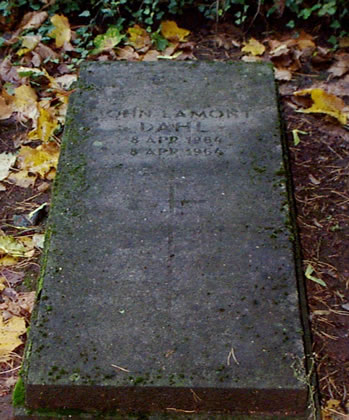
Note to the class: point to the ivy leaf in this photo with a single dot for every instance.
(10, 332)
(254, 47)
(107, 41)
(324, 103)
(172, 32)
(61, 33)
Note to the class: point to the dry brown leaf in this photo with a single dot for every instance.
(250, 59)
(341, 66)
(22, 179)
(45, 52)
(151, 55)
(21, 304)
(6, 161)
(282, 74)
(8, 72)
(33, 20)
(127, 53)
(305, 41)
(279, 50)
(5, 105)
(339, 87)
(187, 51)
(65, 81)
(344, 42)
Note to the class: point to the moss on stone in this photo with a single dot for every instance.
(18, 395)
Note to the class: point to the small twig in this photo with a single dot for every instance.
(232, 355)
(255, 16)
(11, 370)
(120, 368)
(195, 396)
(180, 411)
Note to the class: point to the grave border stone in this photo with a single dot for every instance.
(301, 286)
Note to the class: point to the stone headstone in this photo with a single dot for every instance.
(169, 281)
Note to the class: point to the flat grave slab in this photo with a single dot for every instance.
(169, 281)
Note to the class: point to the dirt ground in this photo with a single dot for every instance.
(320, 174)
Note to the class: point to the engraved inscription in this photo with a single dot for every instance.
(176, 133)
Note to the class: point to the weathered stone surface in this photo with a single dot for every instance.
(169, 280)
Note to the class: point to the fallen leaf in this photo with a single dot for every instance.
(338, 87)
(172, 32)
(12, 277)
(7, 261)
(6, 161)
(28, 71)
(341, 65)
(344, 42)
(187, 51)
(10, 332)
(314, 180)
(296, 139)
(39, 240)
(8, 72)
(39, 160)
(61, 33)
(254, 47)
(127, 53)
(138, 37)
(107, 41)
(5, 105)
(29, 42)
(45, 52)
(308, 274)
(279, 49)
(324, 103)
(328, 411)
(282, 74)
(12, 246)
(66, 80)
(151, 55)
(250, 59)
(46, 126)
(33, 20)
(305, 41)
(25, 102)
(22, 179)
